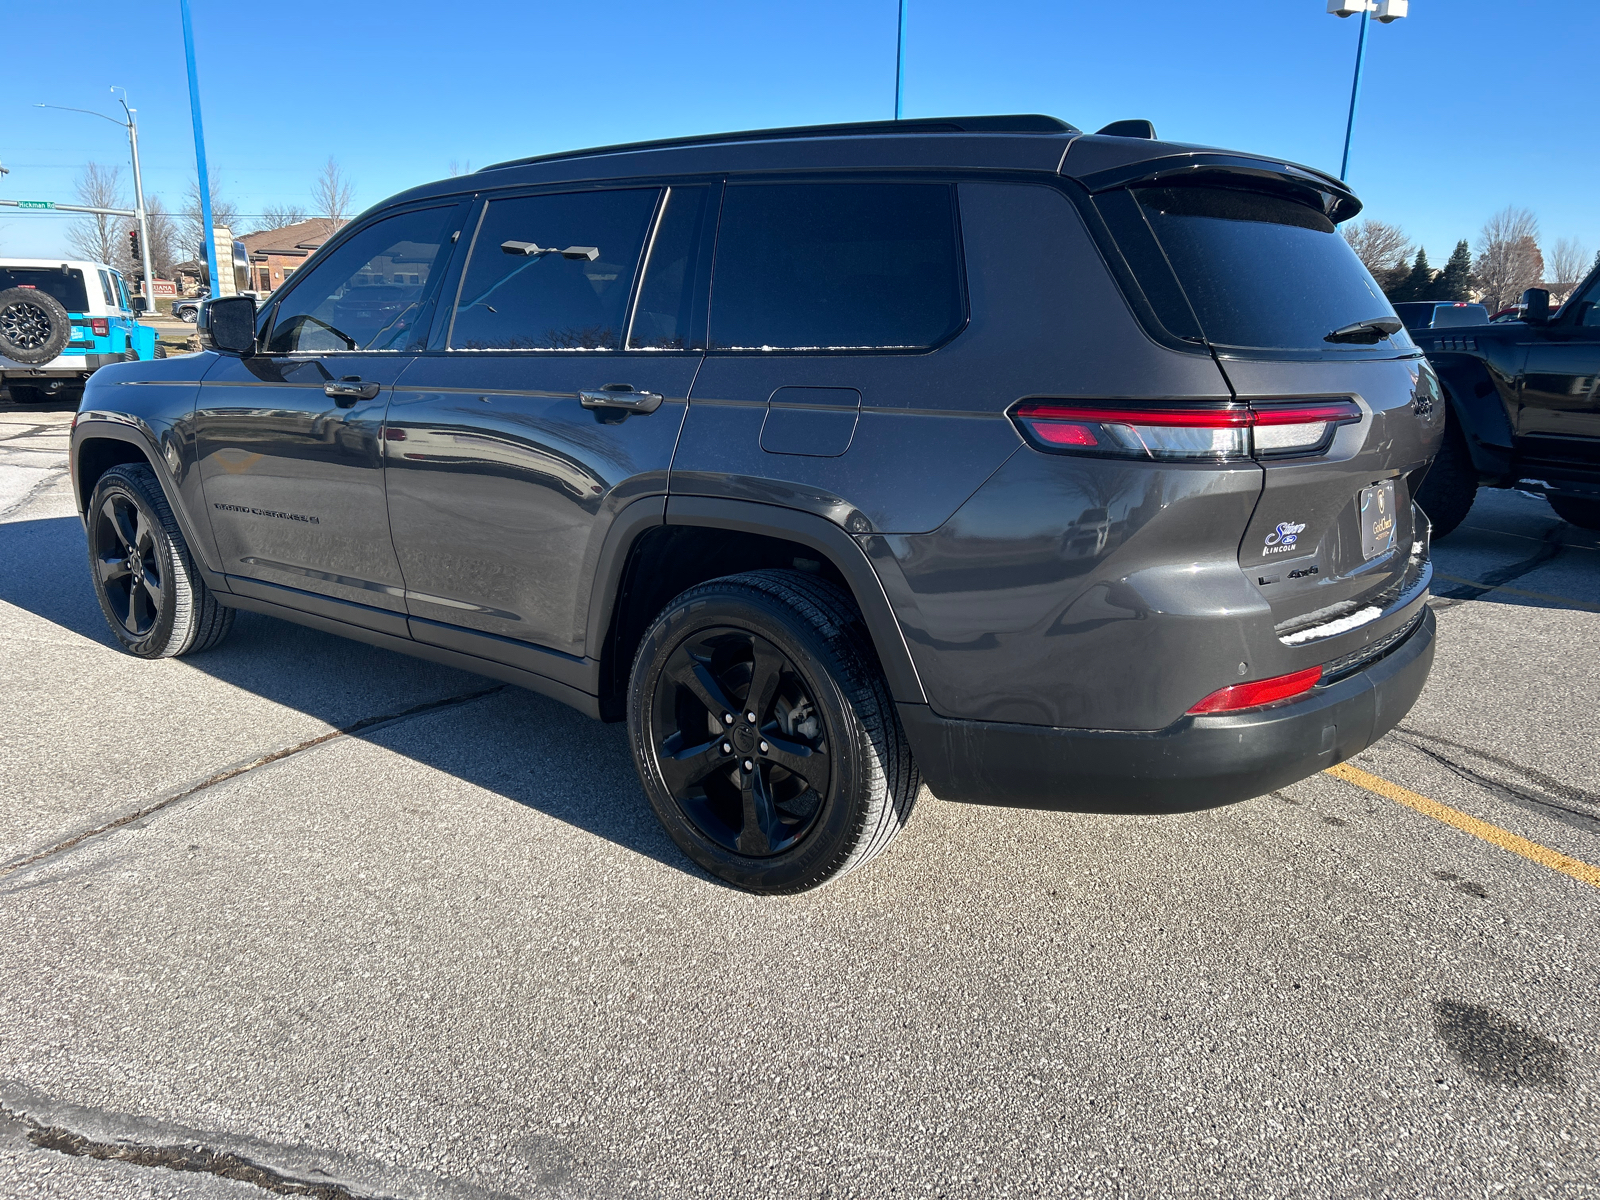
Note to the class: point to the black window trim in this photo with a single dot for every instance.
(952, 179)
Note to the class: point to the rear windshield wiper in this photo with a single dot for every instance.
(1367, 333)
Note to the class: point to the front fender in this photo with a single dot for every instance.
(1482, 399)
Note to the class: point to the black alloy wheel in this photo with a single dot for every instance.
(764, 732)
(740, 742)
(25, 325)
(144, 576)
(129, 564)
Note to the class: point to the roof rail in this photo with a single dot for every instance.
(1018, 123)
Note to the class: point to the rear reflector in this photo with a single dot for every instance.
(1262, 691)
(1209, 433)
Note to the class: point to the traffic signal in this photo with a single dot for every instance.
(133, 245)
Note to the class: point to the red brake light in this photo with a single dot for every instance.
(1184, 431)
(1259, 692)
(101, 326)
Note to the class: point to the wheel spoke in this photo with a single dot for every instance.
(119, 521)
(685, 768)
(144, 532)
(152, 588)
(698, 679)
(111, 566)
(811, 765)
(759, 832)
(134, 589)
(765, 674)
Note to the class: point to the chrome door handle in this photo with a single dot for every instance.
(621, 398)
(350, 389)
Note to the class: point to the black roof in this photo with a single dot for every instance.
(1017, 123)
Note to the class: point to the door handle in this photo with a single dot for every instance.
(350, 389)
(620, 397)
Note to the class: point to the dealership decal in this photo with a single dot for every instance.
(1282, 539)
(267, 512)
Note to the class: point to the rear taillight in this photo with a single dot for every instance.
(1261, 691)
(101, 326)
(1178, 432)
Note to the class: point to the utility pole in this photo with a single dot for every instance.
(900, 62)
(1387, 11)
(138, 187)
(200, 153)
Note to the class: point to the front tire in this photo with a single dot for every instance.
(764, 733)
(1447, 493)
(1575, 510)
(143, 573)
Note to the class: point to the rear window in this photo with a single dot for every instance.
(1460, 314)
(1256, 271)
(836, 266)
(1415, 315)
(66, 286)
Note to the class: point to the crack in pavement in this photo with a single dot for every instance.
(285, 1170)
(233, 772)
(1551, 548)
(1586, 818)
(52, 477)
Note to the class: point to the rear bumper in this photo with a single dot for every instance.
(1198, 762)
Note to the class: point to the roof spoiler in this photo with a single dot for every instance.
(1305, 184)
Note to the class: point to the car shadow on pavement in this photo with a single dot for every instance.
(530, 749)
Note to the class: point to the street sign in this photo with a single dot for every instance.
(36, 203)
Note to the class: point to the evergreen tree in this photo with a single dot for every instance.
(1455, 281)
(1416, 282)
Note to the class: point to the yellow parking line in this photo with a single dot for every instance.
(1567, 600)
(1492, 834)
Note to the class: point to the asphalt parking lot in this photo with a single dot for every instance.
(301, 913)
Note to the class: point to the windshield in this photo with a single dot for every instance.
(1258, 271)
(66, 286)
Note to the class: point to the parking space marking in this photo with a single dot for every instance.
(1493, 834)
(1515, 591)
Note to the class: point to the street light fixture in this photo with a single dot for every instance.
(1387, 11)
(131, 124)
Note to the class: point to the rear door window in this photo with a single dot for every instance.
(108, 289)
(553, 272)
(1258, 271)
(675, 267)
(836, 266)
(66, 286)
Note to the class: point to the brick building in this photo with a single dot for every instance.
(275, 253)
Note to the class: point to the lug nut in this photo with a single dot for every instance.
(748, 765)
(751, 717)
(727, 749)
(764, 747)
(727, 718)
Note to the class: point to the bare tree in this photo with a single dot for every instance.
(1382, 248)
(1508, 261)
(96, 236)
(457, 168)
(164, 245)
(223, 212)
(277, 216)
(330, 194)
(1568, 265)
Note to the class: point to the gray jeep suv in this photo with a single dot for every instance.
(1049, 469)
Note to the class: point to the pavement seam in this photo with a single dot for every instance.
(53, 477)
(1553, 543)
(233, 772)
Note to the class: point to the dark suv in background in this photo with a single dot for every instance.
(1052, 469)
(1524, 400)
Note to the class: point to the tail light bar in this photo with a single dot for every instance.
(1259, 692)
(1178, 432)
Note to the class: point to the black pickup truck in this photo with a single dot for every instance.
(1524, 409)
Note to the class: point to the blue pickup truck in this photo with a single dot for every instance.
(60, 321)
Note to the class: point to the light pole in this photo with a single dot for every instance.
(900, 62)
(200, 152)
(132, 126)
(1387, 11)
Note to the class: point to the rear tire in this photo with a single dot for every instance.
(1575, 510)
(1447, 493)
(790, 649)
(143, 573)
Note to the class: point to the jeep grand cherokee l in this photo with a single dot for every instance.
(1051, 469)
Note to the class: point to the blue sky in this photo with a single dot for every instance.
(1468, 105)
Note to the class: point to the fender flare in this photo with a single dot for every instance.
(1477, 406)
(103, 425)
(770, 520)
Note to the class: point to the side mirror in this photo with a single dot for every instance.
(1536, 306)
(228, 325)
